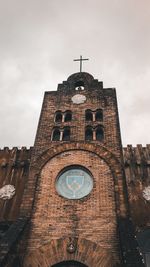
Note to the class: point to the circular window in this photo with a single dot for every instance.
(74, 183)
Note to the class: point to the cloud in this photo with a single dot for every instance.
(40, 39)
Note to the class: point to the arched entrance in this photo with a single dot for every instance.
(55, 254)
(69, 264)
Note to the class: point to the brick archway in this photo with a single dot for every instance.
(87, 253)
(99, 150)
(69, 264)
(112, 161)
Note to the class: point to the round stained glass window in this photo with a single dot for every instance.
(74, 183)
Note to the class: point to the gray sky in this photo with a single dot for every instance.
(39, 40)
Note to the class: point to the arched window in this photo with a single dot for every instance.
(99, 133)
(99, 115)
(66, 134)
(89, 133)
(58, 116)
(88, 115)
(56, 135)
(68, 116)
(79, 85)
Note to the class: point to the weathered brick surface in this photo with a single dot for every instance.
(10, 238)
(137, 169)
(55, 251)
(92, 217)
(14, 170)
(54, 101)
(96, 223)
(96, 97)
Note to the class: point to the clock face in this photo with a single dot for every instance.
(78, 99)
(74, 183)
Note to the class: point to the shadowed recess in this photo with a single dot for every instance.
(69, 264)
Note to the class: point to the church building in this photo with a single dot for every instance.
(77, 198)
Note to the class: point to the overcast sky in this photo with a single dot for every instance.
(39, 40)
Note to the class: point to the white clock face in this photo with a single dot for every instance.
(146, 193)
(78, 99)
(7, 192)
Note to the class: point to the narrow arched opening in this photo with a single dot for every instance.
(68, 116)
(56, 135)
(69, 264)
(79, 85)
(88, 115)
(58, 116)
(99, 115)
(99, 133)
(89, 134)
(66, 134)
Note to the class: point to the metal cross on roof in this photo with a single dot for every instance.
(81, 59)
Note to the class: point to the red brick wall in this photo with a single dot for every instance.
(54, 101)
(92, 217)
(92, 220)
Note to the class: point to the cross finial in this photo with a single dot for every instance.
(81, 59)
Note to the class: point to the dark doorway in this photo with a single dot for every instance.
(143, 239)
(70, 264)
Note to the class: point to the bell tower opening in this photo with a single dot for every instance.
(69, 264)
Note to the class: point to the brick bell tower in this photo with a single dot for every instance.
(76, 193)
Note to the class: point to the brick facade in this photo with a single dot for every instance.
(97, 229)
(94, 218)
